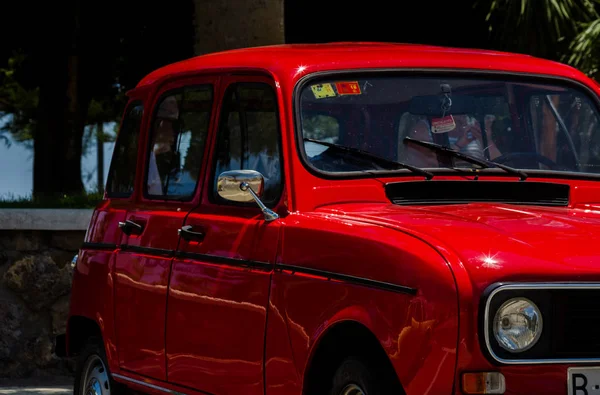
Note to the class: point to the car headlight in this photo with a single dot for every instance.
(517, 324)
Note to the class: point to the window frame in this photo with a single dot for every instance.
(348, 74)
(179, 88)
(230, 82)
(133, 103)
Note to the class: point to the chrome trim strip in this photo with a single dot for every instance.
(517, 286)
(222, 260)
(349, 279)
(147, 250)
(156, 387)
(98, 246)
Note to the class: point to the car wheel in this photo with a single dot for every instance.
(354, 378)
(92, 376)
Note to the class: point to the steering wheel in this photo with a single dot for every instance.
(531, 155)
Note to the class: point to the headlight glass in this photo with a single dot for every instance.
(517, 324)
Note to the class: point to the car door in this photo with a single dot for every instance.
(177, 133)
(220, 280)
(97, 253)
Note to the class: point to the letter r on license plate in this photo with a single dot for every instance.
(583, 381)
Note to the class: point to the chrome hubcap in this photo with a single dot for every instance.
(352, 389)
(95, 377)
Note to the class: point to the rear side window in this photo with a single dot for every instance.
(121, 176)
(177, 140)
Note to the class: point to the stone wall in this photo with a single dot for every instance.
(36, 250)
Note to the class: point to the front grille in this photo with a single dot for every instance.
(571, 322)
(576, 323)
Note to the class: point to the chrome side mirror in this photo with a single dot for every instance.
(244, 186)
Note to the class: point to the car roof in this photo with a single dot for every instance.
(292, 61)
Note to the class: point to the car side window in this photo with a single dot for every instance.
(177, 140)
(121, 176)
(248, 137)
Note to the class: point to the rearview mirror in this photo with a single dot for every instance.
(432, 105)
(244, 186)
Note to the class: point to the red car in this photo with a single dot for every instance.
(349, 218)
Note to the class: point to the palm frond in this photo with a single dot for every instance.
(585, 49)
(543, 28)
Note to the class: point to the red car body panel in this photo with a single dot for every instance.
(227, 302)
(243, 309)
(312, 304)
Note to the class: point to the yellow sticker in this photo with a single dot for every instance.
(322, 90)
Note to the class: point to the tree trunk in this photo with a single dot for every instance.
(59, 132)
(100, 156)
(49, 132)
(62, 109)
(74, 127)
(227, 24)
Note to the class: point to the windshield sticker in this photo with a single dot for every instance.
(442, 125)
(322, 90)
(348, 88)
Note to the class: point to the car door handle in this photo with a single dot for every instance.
(186, 233)
(128, 227)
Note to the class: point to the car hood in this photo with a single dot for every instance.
(500, 242)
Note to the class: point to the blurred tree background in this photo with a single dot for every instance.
(65, 66)
(562, 30)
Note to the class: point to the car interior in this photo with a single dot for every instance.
(533, 126)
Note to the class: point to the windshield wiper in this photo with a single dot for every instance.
(467, 158)
(376, 158)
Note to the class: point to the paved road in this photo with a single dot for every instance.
(37, 386)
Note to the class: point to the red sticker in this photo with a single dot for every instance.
(348, 88)
(443, 125)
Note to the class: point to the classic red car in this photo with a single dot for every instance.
(347, 218)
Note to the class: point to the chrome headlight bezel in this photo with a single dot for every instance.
(535, 311)
(556, 301)
(496, 296)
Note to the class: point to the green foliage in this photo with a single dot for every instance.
(106, 110)
(563, 30)
(17, 103)
(18, 106)
(585, 49)
(320, 127)
(66, 201)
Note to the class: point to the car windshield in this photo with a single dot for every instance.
(527, 125)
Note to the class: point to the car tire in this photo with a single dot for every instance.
(92, 375)
(353, 377)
